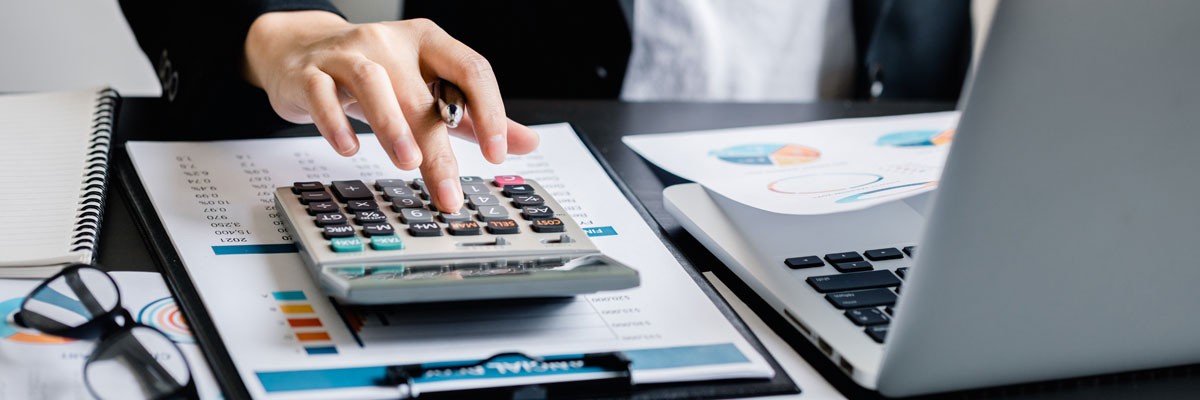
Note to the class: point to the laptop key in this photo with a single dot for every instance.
(890, 310)
(803, 262)
(862, 298)
(903, 272)
(866, 316)
(853, 281)
(889, 253)
(850, 256)
(910, 250)
(856, 266)
(877, 332)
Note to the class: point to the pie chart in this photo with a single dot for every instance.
(10, 331)
(916, 138)
(778, 154)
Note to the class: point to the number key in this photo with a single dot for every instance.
(458, 216)
(415, 215)
(470, 189)
(399, 203)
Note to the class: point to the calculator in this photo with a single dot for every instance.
(385, 242)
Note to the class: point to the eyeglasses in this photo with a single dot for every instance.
(131, 360)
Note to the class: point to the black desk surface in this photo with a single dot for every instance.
(604, 122)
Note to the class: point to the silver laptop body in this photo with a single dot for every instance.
(1063, 238)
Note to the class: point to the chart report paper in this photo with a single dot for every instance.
(289, 341)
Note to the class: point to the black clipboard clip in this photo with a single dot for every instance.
(406, 378)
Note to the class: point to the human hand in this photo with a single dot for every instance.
(318, 68)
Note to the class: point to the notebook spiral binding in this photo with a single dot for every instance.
(95, 176)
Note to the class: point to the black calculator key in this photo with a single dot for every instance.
(866, 316)
(856, 266)
(369, 217)
(803, 262)
(299, 187)
(491, 213)
(516, 190)
(351, 190)
(877, 332)
(458, 216)
(399, 203)
(502, 227)
(853, 280)
(546, 225)
(380, 184)
(889, 253)
(476, 200)
(532, 213)
(415, 215)
(392, 192)
(362, 205)
(309, 197)
(463, 228)
(850, 256)
(862, 298)
(378, 229)
(526, 200)
(333, 231)
(421, 229)
(910, 250)
(331, 218)
(317, 207)
(470, 189)
(470, 179)
(903, 272)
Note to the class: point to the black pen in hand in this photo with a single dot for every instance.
(449, 102)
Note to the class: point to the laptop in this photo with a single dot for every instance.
(1061, 241)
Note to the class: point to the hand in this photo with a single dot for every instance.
(318, 68)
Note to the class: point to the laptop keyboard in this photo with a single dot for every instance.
(864, 293)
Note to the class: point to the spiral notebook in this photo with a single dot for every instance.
(53, 174)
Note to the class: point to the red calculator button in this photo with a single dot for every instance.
(502, 180)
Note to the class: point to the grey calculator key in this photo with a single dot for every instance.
(491, 213)
(392, 192)
(470, 179)
(385, 183)
(536, 212)
(399, 203)
(361, 205)
(458, 216)
(476, 200)
(331, 218)
(470, 189)
(415, 215)
(369, 217)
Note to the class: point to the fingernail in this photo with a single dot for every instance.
(499, 148)
(345, 144)
(406, 153)
(449, 193)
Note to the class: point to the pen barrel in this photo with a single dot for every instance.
(450, 102)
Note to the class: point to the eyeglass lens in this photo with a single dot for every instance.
(136, 363)
(70, 300)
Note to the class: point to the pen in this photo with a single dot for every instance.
(449, 102)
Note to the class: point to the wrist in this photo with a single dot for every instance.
(274, 35)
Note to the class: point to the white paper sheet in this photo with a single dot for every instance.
(288, 341)
(810, 168)
(38, 366)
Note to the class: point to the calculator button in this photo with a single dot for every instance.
(399, 203)
(458, 216)
(889, 253)
(346, 244)
(421, 229)
(335, 231)
(464, 228)
(299, 187)
(476, 200)
(502, 227)
(516, 190)
(470, 189)
(501, 180)
(331, 218)
(351, 190)
(524, 200)
(380, 184)
(548, 225)
(309, 197)
(321, 207)
(491, 213)
(369, 217)
(387, 242)
(378, 229)
(470, 179)
(415, 215)
(532, 213)
(361, 205)
(392, 192)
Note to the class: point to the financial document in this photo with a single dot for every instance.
(290, 341)
(810, 168)
(34, 365)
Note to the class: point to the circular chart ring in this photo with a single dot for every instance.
(165, 315)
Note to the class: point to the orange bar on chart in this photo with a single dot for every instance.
(303, 322)
(312, 336)
(296, 309)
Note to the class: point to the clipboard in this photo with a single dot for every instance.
(154, 233)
